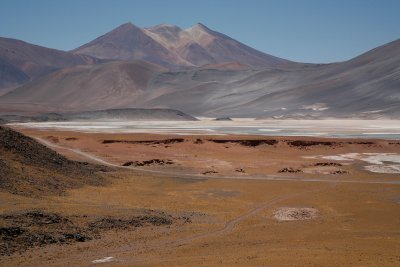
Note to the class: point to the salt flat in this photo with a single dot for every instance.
(384, 129)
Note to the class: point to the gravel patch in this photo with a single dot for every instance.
(295, 214)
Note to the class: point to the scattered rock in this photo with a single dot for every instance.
(198, 141)
(76, 237)
(185, 219)
(110, 223)
(20, 231)
(361, 143)
(34, 217)
(339, 172)
(147, 142)
(148, 162)
(240, 170)
(249, 143)
(291, 170)
(9, 233)
(328, 164)
(114, 223)
(209, 172)
(304, 143)
(53, 139)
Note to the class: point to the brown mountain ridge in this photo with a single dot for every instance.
(169, 45)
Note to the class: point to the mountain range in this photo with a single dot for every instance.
(198, 71)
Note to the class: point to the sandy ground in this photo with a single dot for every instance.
(356, 220)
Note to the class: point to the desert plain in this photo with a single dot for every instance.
(227, 200)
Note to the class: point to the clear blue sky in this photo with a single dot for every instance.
(300, 30)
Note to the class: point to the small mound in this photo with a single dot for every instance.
(295, 214)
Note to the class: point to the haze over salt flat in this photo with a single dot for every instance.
(387, 129)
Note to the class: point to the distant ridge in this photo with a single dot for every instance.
(124, 114)
(21, 62)
(134, 114)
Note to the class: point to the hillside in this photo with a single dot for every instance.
(11, 77)
(31, 169)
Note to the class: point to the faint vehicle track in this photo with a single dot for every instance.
(231, 224)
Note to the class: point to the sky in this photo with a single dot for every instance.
(315, 31)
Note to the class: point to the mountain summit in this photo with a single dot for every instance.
(128, 42)
(170, 45)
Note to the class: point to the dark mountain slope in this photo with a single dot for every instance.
(29, 168)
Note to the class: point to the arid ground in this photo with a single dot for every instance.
(219, 200)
